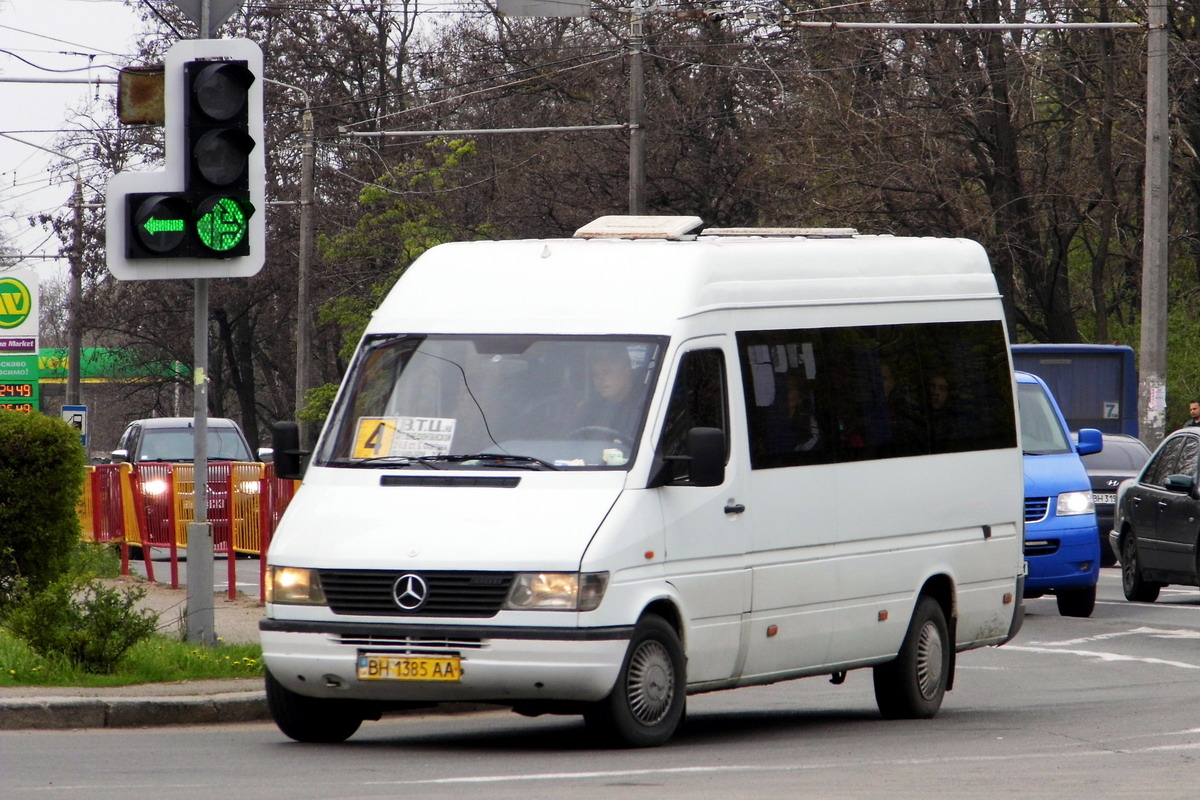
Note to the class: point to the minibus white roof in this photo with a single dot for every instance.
(639, 285)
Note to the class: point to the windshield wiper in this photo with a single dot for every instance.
(374, 461)
(493, 459)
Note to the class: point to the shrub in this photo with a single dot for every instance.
(41, 477)
(83, 621)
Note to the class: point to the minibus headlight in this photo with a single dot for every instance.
(557, 591)
(294, 586)
(155, 487)
(1072, 503)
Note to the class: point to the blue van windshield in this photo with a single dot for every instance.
(1041, 432)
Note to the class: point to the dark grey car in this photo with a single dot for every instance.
(1157, 527)
(1122, 458)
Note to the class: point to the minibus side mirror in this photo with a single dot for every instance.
(119, 455)
(705, 461)
(285, 443)
(706, 446)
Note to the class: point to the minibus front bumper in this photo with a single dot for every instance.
(498, 664)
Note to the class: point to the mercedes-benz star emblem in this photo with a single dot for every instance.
(410, 592)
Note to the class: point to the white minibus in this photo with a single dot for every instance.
(598, 474)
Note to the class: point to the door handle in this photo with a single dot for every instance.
(734, 508)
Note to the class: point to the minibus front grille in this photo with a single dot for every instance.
(1036, 508)
(411, 645)
(445, 594)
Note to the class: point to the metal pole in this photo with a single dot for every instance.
(637, 107)
(200, 613)
(1152, 367)
(303, 290)
(75, 296)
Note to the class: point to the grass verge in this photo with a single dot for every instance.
(159, 659)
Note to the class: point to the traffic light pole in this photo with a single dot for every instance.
(200, 589)
(201, 618)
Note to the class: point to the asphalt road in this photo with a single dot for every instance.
(1099, 707)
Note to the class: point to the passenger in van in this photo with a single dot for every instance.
(804, 431)
(905, 435)
(943, 419)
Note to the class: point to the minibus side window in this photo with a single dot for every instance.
(831, 395)
(698, 399)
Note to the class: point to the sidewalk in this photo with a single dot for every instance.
(151, 704)
(186, 703)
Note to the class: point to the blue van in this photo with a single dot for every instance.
(1061, 548)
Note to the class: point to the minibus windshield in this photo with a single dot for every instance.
(493, 402)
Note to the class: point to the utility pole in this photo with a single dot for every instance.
(75, 297)
(1152, 357)
(304, 276)
(637, 108)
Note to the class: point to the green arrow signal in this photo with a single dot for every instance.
(224, 226)
(156, 225)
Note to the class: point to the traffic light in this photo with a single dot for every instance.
(202, 216)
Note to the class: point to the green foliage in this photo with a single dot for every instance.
(317, 403)
(42, 468)
(81, 621)
(393, 231)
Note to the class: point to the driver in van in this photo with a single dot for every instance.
(611, 405)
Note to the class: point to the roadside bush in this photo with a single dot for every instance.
(41, 479)
(89, 624)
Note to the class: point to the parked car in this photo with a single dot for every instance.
(1122, 458)
(1155, 532)
(171, 440)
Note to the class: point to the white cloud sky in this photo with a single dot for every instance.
(52, 35)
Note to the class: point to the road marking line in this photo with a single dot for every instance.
(734, 768)
(1102, 656)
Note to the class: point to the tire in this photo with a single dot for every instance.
(311, 719)
(1136, 589)
(913, 684)
(647, 702)
(1076, 602)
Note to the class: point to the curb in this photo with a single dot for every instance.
(61, 713)
(74, 713)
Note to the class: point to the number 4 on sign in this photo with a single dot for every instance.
(374, 437)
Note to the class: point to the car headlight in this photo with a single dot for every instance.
(295, 586)
(155, 486)
(249, 487)
(557, 591)
(1073, 503)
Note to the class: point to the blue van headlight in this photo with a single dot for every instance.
(557, 591)
(1073, 503)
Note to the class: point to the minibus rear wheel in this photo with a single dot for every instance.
(311, 719)
(647, 703)
(913, 684)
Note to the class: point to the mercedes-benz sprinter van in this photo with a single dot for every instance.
(597, 474)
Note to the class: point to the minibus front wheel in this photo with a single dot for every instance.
(912, 685)
(311, 719)
(647, 702)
